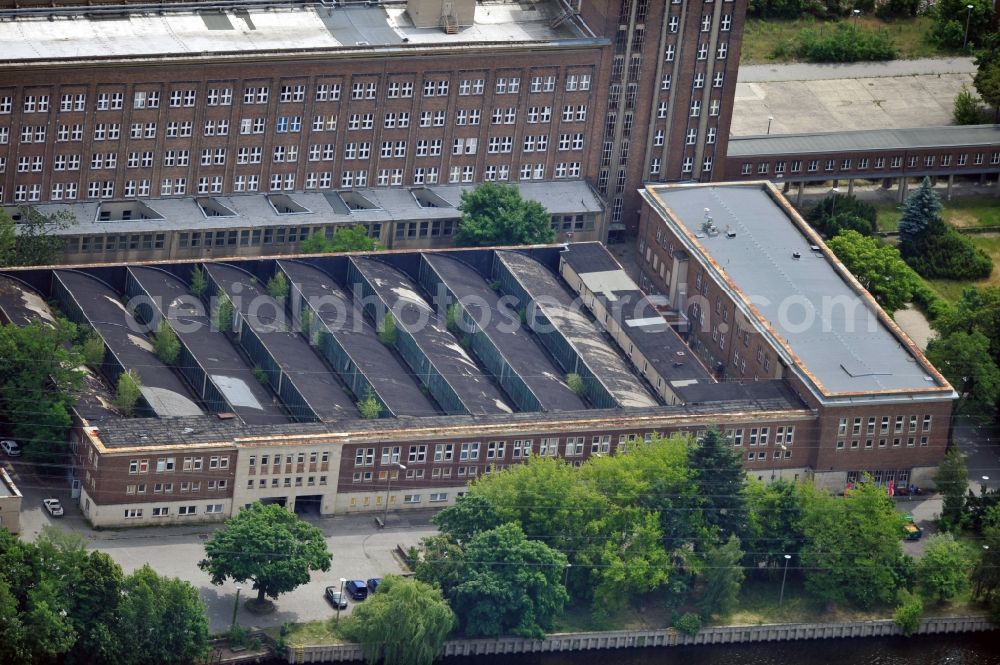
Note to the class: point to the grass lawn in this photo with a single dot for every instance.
(312, 632)
(960, 212)
(765, 39)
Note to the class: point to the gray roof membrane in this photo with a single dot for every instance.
(415, 315)
(557, 303)
(390, 378)
(502, 324)
(163, 390)
(866, 139)
(320, 388)
(829, 327)
(642, 322)
(217, 356)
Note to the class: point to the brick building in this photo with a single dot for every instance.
(117, 104)
(761, 297)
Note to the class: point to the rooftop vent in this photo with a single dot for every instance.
(213, 208)
(225, 416)
(286, 205)
(796, 255)
(708, 226)
(730, 233)
(124, 211)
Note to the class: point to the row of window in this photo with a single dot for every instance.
(882, 443)
(182, 486)
(883, 424)
(164, 511)
(300, 481)
(178, 186)
(435, 497)
(114, 100)
(863, 163)
(169, 464)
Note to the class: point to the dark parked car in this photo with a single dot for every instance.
(373, 584)
(357, 589)
(336, 598)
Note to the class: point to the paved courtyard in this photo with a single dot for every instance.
(806, 98)
(360, 551)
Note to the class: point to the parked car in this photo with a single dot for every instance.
(53, 507)
(373, 584)
(357, 589)
(910, 530)
(10, 447)
(336, 598)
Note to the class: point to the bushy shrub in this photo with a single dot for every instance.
(966, 110)
(908, 612)
(387, 331)
(576, 384)
(166, 344)
(93, 349)
(842, 212)
(688, 623)
(845, 43)
(950, 255)
(929, 302)
(897, 8)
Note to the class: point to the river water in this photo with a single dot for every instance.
(966, 649)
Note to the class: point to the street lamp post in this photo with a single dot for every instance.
(968, 20)
(388, 488)
(781, 597)
(566, 573)
(982, 486)
(236, 606)
(770, 119)
(343, 581)
(857, 14)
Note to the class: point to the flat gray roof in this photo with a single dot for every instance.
(75, 34)
(162, 389)
(413, 314)
(837, 337)
(225, 368)
(557, 303)
(501, 323)
(392, 380)
(319, 387)
(254, 210)
(868, 139)
(641, 322)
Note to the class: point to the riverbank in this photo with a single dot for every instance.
(669, 637)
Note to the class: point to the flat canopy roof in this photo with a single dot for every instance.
(868, 139)
(833, 331)
(80, 33)
(387, 204)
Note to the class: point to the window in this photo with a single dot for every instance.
(213, 508)
(133, 513)
(187, 510)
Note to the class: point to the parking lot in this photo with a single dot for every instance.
(360, 551)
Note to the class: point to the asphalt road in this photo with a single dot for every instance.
(360, 551)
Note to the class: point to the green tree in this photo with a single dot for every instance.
(369, 406)
(12, 638)
(92, 349)
(39, 375)
(944, 568)
(952, 481)
(840, 212)
(774, 512)
(469, 515)
(851, 552)
(128, 392)
(166, 344)
(721, 483)
(160, 620)
(278, 287)
(878, 267)
(198, 282)
(511, 585)
(495, 214)
(268, 545)
(987, 78)
(723, 577)
(442, 563)
(964, 359)
(32, 240)
(345, 239)
(224, 312)
(921, 217)
(908, 612)
(977, 310)
(966, 108)
(405, 623)
(951, 16)
(986, 574)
